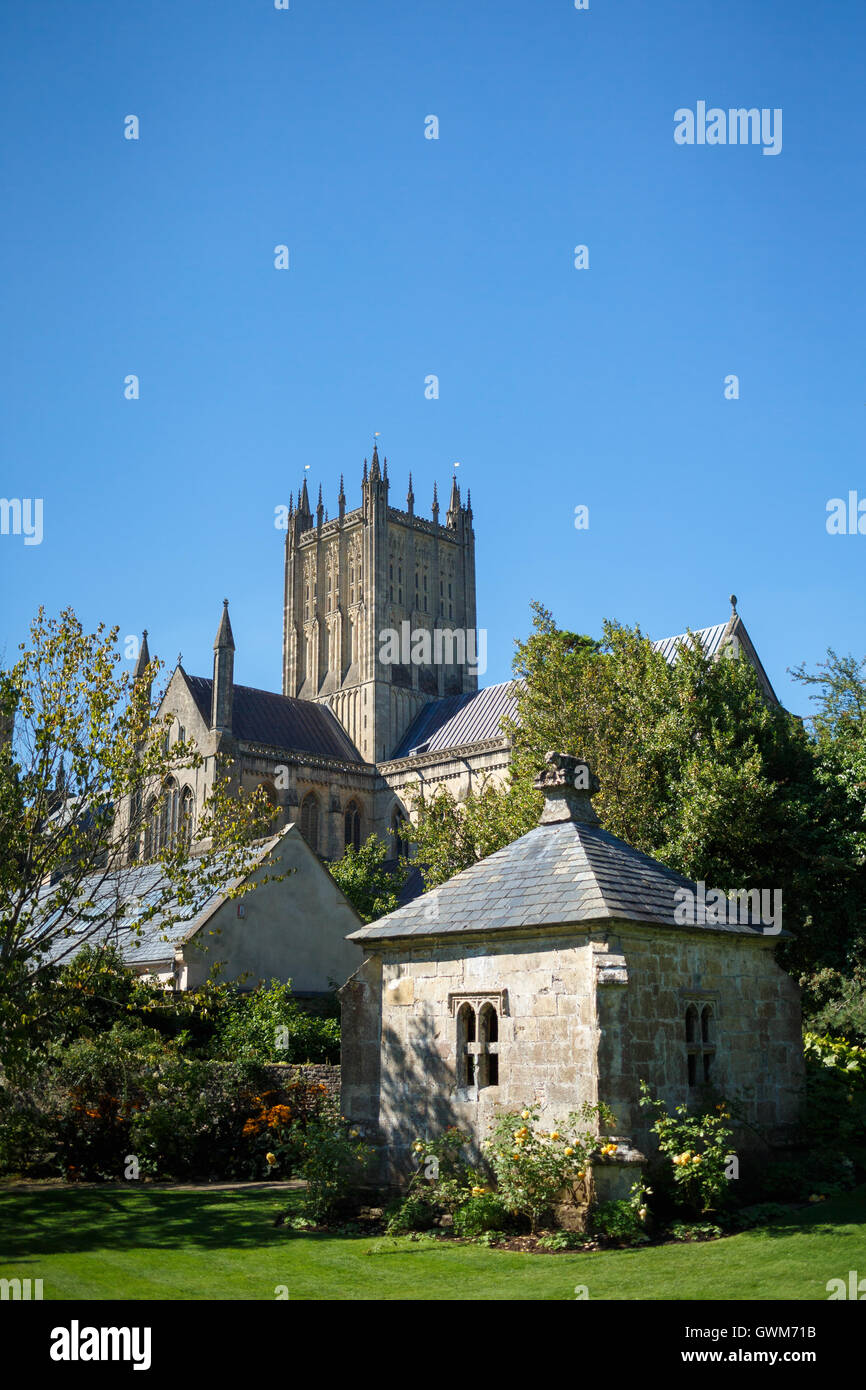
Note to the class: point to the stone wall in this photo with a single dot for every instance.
(584, 1015)
(282, 1074)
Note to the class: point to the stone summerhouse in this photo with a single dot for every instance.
(556, 969)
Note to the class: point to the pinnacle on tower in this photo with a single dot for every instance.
(364, 479)
(342, 496)
(435, 504)
(143, 658)
(304, 501)
(410, 498)
(375, 473)
(224, 637)
(320, 509)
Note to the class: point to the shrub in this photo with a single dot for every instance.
(485, 1212)
(619, 1223)
(332, 1159)
(691, 1231)
(414, 1212)
(533, 1166)
(268, 1024)
(193, 1124)
(699, 1146)
(440, 1184)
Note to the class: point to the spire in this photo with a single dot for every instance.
(304, 501)
(375, 474)
(291, 505)
(385, 471)
(410, 498)
(469, 503)
(364, 479)
(453, 515)
(342, 499)
(320, 510)
(224, 636)
(143, 658)
(223, 675)
(435, 505)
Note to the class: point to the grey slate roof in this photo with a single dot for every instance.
(568, 872)
(115, 894)
(463, 719)
(261, 716)
(711, 638)
(458, 720)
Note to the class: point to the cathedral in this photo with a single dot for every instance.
(364, 719)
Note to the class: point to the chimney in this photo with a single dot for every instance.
(567, 784)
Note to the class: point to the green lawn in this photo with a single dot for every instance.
(164, 1244)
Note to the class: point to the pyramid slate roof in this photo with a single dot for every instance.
(557, 874)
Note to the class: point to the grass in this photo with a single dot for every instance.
(103, 1243)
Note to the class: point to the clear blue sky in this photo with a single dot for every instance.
(455, 257)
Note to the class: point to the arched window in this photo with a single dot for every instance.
(488, 1051)
(353, 825)
(401, 844)
(310, 820)
(186, 819)
(149, 826)
(700, 1043)
(466, 1045)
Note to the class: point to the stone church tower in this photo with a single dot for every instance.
(370, 572)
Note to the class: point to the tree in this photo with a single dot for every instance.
(83, 756)
(370, 882)
(696, 767)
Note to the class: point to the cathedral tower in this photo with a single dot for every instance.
(365, 596)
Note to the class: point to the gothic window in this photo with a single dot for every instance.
(186, 818)
(488, 1053)
(353, 825)
(700, 1043)
(477, 1045)
(149, 823)
(465, 1045)
(401, 844)
(310, 820)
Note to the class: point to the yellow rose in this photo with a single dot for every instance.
(554, 1134)
(582, 1173)
(524, 1114)
(569, 1152)
(270, 1159)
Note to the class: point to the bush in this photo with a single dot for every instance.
(619, 1223)
(486, 1212)
(534, 1166)
(332, 1159)
(268, 1024)
(699, 1146)
(691, 1231)
(414, 1212)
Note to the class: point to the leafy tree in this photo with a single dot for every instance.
(369, 880)
(696, 767)
(82, 752)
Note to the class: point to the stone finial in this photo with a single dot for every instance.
(733, 605)
(567, 783)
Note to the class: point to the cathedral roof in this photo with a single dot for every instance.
(458, 720)
(568, 870)
(261, 716)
